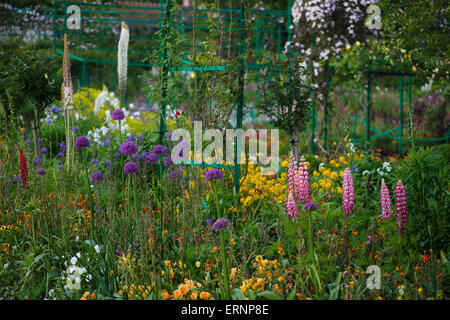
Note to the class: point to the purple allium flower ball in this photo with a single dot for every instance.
(117, 115)
(37, 161)
(44, 150)
(128, 148)
(165, 150)
(41, 171)
(167, 161)
(158, 149)
(140, 138)
(213, 174)
(97, 177)
(220, 224)
(310, 206)
(130, 167)
(82, 142)
(151, 158)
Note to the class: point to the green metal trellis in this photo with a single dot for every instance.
(269, 33)
(370, 73)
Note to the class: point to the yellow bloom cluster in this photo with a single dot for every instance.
(329, 179)
(138, 292)
(88, 296)
(188, 290)
(256, 186)
(269, 277)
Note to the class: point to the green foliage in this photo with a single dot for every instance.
(286, 97)
(29, 80)
(426, 177)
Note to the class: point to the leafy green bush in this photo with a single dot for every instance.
(425, 174)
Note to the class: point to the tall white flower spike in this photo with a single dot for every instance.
(122, 59)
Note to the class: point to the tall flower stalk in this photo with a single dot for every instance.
(291, 207)
(348, 193)
(23, 168)
(292, 171)
(302, 182)
(67, 100)
(122, 60)
(386, 206)
(400, 204)
(220, 225)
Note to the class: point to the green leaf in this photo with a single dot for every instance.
(237, 294)
(269, 295)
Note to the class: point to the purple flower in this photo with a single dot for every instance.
(75, 129)
(97, 177)
(94, 162)
(60, 167)
(220, 224)
(44, 150)
(131, 138)
(128, 148)
(55, 109)
(60, 154)
(48, 122)
(213, 174)
(37, 161)
(158, 149)
(130, 167)
(167, 161)
(175, 176)
(117, 115)
(208, 222)
(151, 158)
(310, 206)
(41, 171)
(82, 142)
(107, 141)
(17, 178)
(27, 141)
(140, 138)
(108, 164)
(116, 155)
(62, 147)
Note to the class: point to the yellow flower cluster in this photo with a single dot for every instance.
(88, 296)
(188, 290)
(256, 186)
(269, 277)
(330, 180)
(137, 292)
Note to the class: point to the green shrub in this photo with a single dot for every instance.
(425, 174)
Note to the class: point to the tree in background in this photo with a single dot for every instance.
(286, 97)
(30, 80)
